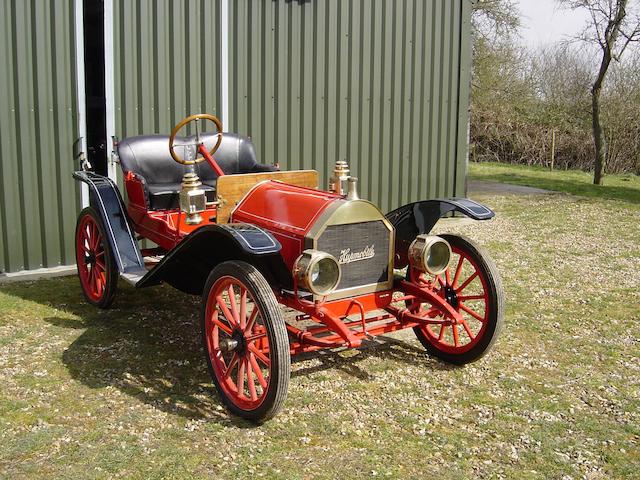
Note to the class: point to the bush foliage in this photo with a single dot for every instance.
(522, 99)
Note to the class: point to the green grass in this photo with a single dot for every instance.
(616, 187)
(125, 393)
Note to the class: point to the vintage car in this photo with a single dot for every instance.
(282, 266)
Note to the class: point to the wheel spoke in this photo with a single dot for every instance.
(456, 340)
(447, 276)
(232, 363)
(456, 277)
(467, 282)
(243, 309)
(468, 330)
(216, 321)
(240, 382)
(250, 381)
(475, 315)
(440, 281)
(225, 310)
(257, 370)
(252, 320)
(234, 306)
(465, 298)
(257, 336)
(259, 355)
(441, 334)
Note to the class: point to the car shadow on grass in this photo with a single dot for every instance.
(148, 346)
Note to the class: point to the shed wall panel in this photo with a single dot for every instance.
(380, 83)
(39, 200)
(167, 54)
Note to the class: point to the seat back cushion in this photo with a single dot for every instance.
(148, 156)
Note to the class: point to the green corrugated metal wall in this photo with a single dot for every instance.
(38, 197)
(166, 56)
(381, 83)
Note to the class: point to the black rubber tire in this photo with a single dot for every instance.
(279, 350)
(111, 268)
(495, 304)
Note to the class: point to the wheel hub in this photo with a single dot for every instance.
(90, 258)
(235, 343)
(451, 296)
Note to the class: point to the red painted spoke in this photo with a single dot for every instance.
(243, 309)
(100, 265)
(456, 340)
(225, 310)
(257, 336)
(252, 320)
(257, 370)
(447, 275)
(100, 254)
(232, 363)
(456, 277)
(95, 236)
(468, 330)
(234, 306)
(221, 326)
(441, 334)
(250, 381)
(440, 281)
(259, 355)
(240, 382)
(465, 298)
(467, 282)
(475, 315)
(92, 280)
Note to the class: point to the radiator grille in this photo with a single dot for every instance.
(362, 250)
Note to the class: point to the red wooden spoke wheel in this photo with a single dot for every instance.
(246, 342)
(97, 269)
(472, 286)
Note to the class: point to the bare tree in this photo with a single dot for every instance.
(494, 19)
(612, 27)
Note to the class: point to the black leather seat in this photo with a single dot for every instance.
(148, 157)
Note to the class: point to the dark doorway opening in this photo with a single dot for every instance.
(97, 145)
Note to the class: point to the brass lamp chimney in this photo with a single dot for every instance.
(340, 175)
(192, 198)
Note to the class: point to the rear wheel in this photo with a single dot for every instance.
(97, 267)
(472, 285)
(245, 341)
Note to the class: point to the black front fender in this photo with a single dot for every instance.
(188, 265)
(417, 218)
(106, 199)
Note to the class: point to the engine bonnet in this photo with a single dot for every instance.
(300, 218)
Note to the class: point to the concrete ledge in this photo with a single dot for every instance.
(38, 274)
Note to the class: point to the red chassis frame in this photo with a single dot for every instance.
(167, 228)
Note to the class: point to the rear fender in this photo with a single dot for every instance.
(106, 199)
(188, 265)
(417, 218)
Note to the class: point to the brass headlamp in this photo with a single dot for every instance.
(430, 254)
(317, 272)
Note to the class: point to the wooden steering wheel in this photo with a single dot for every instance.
(201, 149)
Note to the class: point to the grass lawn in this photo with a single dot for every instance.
(125, 393)
(616, 187)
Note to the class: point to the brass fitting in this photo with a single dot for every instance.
(340, 174)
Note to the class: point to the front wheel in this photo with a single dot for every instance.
(472, 285)
(245, 341)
